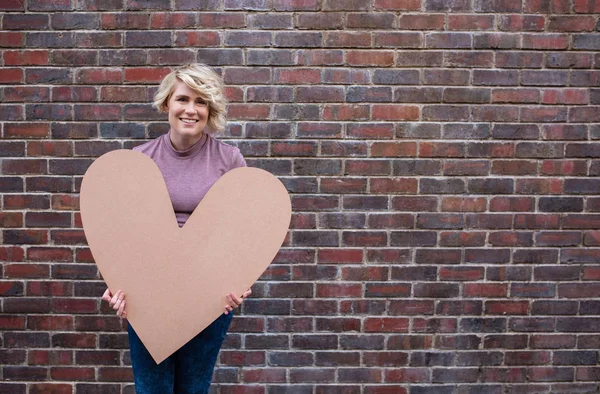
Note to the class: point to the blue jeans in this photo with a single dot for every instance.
(187, 371)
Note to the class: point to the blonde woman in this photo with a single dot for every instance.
(191, 161)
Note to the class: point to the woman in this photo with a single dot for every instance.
(191, 161)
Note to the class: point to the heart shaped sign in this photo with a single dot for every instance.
(175, 279)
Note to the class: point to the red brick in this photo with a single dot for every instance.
(370, 20)
(514, 167)
(367, 167)
(545, 41)
(340, 256)
(422, 22)
(346, 112)
(508, 238)
(515, 96)
(339, 290)
(387, 290)
(343, 185)
(52, 357)
(11, 39)
(49, 254)
(462, 238)
(492, 290)
(398, 40)
(403, 375)
(461, 273)
(99, 75)
(13, 5)
(345, 76)
(347, 40)
(364, 238)
(365, 58)
(318, 57)
(72, 373)
(317, 94)
(394, 149)
(99, 40)
(11, 253)
(470, 22)
(394, 185)
(12, 76)
(197, 39)
(539, 186)
(586, 6)
(565, 96)
(564, 167)
(298, 76)
(551, 374)
(26, 58)
(374, 131)
(51, 388)
(26, 130)
(572, 23)
(394, 112)
(11, 219)
(362, 273)
(145, 75)
(392, 5)
(386, 324)
(123, 93)
(124, 21)
(507, 307)
(176, 20)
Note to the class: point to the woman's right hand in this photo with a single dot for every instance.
(116, 301)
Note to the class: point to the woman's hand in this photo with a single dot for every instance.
(116, 301)
(234, 302)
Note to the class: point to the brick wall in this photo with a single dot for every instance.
(442, 159)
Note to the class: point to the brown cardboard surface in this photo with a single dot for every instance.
(175, 279)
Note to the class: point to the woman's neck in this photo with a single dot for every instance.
(182, 144)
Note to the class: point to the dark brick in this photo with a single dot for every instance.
(491, 186)
(448, 6)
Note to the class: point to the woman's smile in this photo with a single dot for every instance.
(188, 116)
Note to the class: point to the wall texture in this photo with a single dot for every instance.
(442, 157)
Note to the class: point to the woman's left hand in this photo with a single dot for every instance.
(233, 301)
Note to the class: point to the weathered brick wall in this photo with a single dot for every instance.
(441, 155)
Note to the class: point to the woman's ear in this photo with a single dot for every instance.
(165, 103)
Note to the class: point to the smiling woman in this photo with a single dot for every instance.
(193, 96)
(188, 115)
(191, 161)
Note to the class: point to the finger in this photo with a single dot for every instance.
(237, 301)
(106, 296)
(120, 300)
(246, 293)
(124, 315)
(234, 301)
(114, 299)
(227, 309)
(121, 309)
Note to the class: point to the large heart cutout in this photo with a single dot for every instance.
(175, 279)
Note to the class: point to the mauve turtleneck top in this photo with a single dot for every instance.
(189, 174)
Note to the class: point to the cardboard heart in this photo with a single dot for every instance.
(175, 279)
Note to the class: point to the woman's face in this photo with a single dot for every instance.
(188, 112)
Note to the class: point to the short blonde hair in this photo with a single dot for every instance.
(205, 82)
